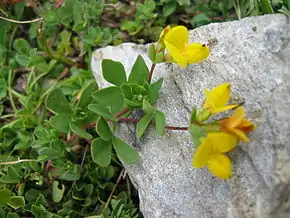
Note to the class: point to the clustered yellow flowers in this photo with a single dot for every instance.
(213, 147)
(213, 140)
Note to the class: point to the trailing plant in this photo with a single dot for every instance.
(60, 155)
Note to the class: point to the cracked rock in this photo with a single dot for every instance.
(253, 54)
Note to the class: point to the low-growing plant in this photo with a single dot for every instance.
(60, 156)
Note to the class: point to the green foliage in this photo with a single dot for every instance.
(50, 102)
(197, 134)
(114, 72)
(101, 151)
(125, 152)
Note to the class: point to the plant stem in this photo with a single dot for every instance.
(121, 112)
(47, 49)
(21, 22)
(112, 192)
(131, 120)
(151, 73)
(10, 91)
(17, 161)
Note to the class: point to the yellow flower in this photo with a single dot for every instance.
(211, 151)
(176, 42)
(238, 125)
(217, 98)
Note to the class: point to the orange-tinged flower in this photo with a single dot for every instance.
(211, 153)
(216, 100)
(176, 42)
(238, 125)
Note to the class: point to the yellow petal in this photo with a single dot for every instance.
(196, 52)
(224, 108)
(177, 37)
(176, 54)
(175, 41)
(218, 96)
(202, 154)
(220, 166)
(222, 142)
(236, 118)
(241, 135)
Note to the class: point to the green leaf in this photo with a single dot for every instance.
(12, 215)
(169, 8)
(38, 211)
(18, 9)
(102, 111)
(21, 46)
(57, 193)
(147, 107)
(3, 88)
(55, 150)
(72, 174)
(160, 122)
(125, 152)
(151, 52)
(183, 2)
(154, 90)
(2, 212)
(193, 115)
(1, 109)
(197, 134)
(111, 97)
(12, 176)
(57, 103)
(139, 73)
(77, 129)
(284, 10)
(159, 57)
(60, 122)
(200, 19)
(22, 60)
(103, 129)
(89, 189)
(101, 152)
(86, 94)
(266, 7)
(16, 202)
(143, 124)
(41, 133)
(5, 196)
(114, 72)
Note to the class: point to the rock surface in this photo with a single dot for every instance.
(252, 54)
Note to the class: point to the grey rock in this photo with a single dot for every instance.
(253, 54)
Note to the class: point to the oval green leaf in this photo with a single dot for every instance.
(113, 72)
(125, 152)
(101, 151)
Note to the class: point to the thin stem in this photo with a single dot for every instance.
(112, 192)
(12, 37)
(47, 49)
(17, 161)
(121, 112)
(3, 12)
(151, 73)
(132, 120)
(21, 22)
(10, 91)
